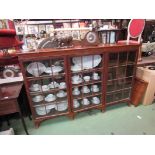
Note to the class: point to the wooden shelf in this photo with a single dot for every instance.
(86, 83)
(88, 71)
(87, 107)
(87, 95)
(45, 77)
(47, 92)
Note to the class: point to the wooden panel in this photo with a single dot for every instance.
(8, 107)
(139, 89)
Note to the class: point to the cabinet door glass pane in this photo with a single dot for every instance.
(130, 70)
(126, 93)
(123, 58)
(128, 82)
(113, 58)
(132, 57)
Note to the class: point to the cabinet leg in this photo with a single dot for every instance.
(37, 124)
(23, 122)
(129, 103)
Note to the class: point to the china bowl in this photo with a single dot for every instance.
(50, 98)
(38, 98)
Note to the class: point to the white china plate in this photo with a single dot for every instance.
(53, 69)
(88, 62)
(36, 68)
(76, 68)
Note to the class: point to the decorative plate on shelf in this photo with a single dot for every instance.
(87, 62)
(36, 68)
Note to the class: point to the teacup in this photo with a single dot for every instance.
(50, 98)
(62, 85)
(53, 85)
(76, 91)
(76, 103)
(76, 78)
(95, 76)
(85, 101)
(61, 93)
(37, 98)
(35, 87)
(85, 89)
(94, 88)
(86, 78)
(95, 100)
(45, 87)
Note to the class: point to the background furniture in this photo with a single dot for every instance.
(9, 104)
(116, 70)
(147, 74)
(135, 30)
(139, 89)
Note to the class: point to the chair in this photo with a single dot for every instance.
(135, 29)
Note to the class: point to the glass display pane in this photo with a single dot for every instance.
(118, 96)
(113, 58)
(115, 85)
(131, 57)
(109, 98)
(130, 70)
(112, 73)
(128, 82)
(123, 58)
(121, 71)
(126, 93)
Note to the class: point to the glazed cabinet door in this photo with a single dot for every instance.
(121, 70)
(47, 86)
(86, 87)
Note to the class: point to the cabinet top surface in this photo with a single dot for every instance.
(75, 50)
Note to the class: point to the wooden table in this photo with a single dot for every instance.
(9, 94)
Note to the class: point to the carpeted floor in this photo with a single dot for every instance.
(117, 120)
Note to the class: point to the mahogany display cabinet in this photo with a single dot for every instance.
(68, 81)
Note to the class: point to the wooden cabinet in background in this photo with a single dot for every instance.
(67, 81)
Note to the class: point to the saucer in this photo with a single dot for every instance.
(76, 92)
(85, 103)
(77, 82)
(95, 90)
(96, 102)
(86, 91)
(60, 95)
